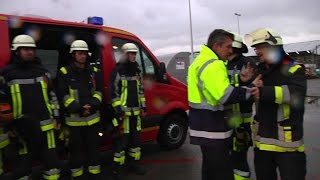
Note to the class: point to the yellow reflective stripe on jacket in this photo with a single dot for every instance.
(278, 94)
(119, 157)
(76, 172)
(135, 153)
(4, 140)
(95, 69)
(83, 121)
(51, 139)
(98, 95)
(294, 68)
(94, 169)
(45, 96)
(68, 100)
(116, 102)
(51, 174)
(282, 94)
(46, 125)
(16, 100)
(124, 92)
(64, 70)
(270, 144)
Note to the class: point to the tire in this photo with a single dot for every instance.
(173, 132)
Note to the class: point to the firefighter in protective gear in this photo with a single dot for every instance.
(34, 113)
(5, 109)
(128, 101)
(240, 112)
(79, 89)
(278, 123)
(209, 90)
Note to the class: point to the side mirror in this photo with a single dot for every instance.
(162, 71)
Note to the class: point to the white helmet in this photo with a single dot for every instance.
(263, 35)
(129, 47)
(238, 43)
(79, 45)
(23, 41)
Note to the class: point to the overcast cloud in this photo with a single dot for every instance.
(164, 24)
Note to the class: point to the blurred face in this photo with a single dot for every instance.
(26, 53)
(81, 56)
(262, 52)
(223, 50)
(132, 56)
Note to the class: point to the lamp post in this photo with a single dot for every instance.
(238, 15)
(191, 33)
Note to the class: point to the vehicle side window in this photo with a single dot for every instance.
(149, 68)
(53, 43)
(117, 43)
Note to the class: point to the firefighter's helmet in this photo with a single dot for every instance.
(79, 45)
(238, 43)
(263, 35)
(23, 41)
(129, 47)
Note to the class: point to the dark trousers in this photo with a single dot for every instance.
(127, 141)
(84, 147)
(291, 165)
(32, 144)
(240, 164)
(216, 163)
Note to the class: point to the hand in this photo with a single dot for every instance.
(246, 73)
(258, 82)
(143, 113)
(56, 125)
(12, 133)
(86, 111)
(255, 92)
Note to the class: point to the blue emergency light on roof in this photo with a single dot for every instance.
(95, 20)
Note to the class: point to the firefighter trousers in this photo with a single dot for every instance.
(291, 165)
(84, 150)
(216, 163)
(127, 145)
(31, 144)
(240, 164)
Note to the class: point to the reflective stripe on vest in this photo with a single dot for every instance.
(76, 172)
(46, 124)
(119, 157)
(52, 174)
(282, 94)
(94, 169)
(211, 135)
(135, 153)
(283, 112)
(243, 174)
(45, 96)
(83, 121)
(4, 140)
(97, 95)
(26, 81)
(16, 100)
(51, 139)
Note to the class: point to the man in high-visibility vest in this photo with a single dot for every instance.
(209, 89)
(35, 109)
(241, 112)
(278, 124)
(79, 89)
(128, 101)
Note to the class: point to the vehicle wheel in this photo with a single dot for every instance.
(173, 132)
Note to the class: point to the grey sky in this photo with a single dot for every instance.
(164, 24)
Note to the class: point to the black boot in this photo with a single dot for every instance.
(119, 172)
(136, 168)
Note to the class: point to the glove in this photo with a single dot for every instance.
(235, 120)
